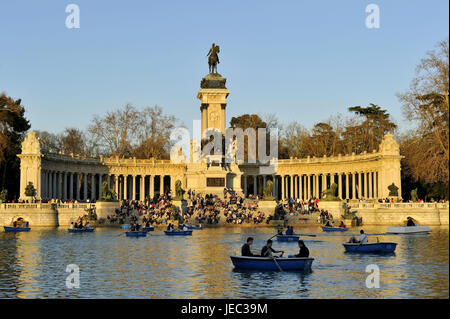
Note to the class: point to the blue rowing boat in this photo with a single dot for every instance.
(267, 263)
(178, 233)
(136, 233)
(370, 248)
(81, 230)
(125, 226)
(328, 229)
(151, 228)
(15, 229)
(288, 237)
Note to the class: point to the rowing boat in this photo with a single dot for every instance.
(268, 263)
(81, 230)
(136, 233)
(328, 229)
(408, 229)
(288, 237)
(16, 229)
(370, 248)
(178, 233)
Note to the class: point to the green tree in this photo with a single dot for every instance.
(13, 126)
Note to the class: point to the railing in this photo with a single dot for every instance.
(399, 205)
(45, 206)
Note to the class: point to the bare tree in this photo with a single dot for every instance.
(426, 103)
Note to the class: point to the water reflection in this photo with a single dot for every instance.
(32, 265)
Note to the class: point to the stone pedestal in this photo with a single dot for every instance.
(267, 207)
(103, 209)
(333, 207)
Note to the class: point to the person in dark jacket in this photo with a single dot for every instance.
(245, 250)
(304, 251)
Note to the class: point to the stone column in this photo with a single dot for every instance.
(255, 187)
(134, 186)
(324, 182)
(100, 184)
(125, 186)
(359, 185)
(53, 184)
(161, 184)
(370, 185)
(92, 187)
(264, 182)
(142, 192)
(366, 183)
(346, 187)
(282, 187)
(85, 186)
(353, 186)
(151, 184)
(300, 187)
(77, 186)
(71, 186)
(65, 186)
(116, 185)
(317, 186)
(340, 185)
(245, 186)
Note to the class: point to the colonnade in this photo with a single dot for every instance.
(88, 186)
(351, 185)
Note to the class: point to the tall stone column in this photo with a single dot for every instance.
(134, 186)
(324, 182)
(85, 186)
(370, 185)
(151, 186)
(77, 186)
(71, 186)
(255, 187)
(65, 186)
(340, 185)
(353, 186)
(346, 187)
(142, 192)
(282, 187)
(245, 186)
(366, 183)
(161, 184)
(359, 185)
(93, 187)
(300, 186)
(264, 182)
(100, 183)
(116, 185)
(125, 187)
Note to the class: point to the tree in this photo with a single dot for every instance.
(73, 141)
(154, 133)
(426, 103)
(49, 141)
(246, 121)
(294, 140)
(13, 126)
(368, 134)
(117, 132)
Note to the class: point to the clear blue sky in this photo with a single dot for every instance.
(302, 60)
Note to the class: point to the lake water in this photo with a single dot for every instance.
(33, 265)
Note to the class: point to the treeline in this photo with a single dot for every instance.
(145, 133)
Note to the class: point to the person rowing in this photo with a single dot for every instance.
(304, 251)
(245, 250)
(268, 251)
(170, 227)
(342, 225)
(362, 239)
(290, 231)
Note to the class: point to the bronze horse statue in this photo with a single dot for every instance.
(213, 59)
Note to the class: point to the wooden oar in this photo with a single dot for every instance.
(310, 235)
(276, 263)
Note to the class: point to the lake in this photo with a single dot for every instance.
(33, 265)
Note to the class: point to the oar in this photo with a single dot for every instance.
(276, 263)
(310, 235)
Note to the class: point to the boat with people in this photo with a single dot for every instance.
(178, 232)
(81, 230)
(408, 229)
(194, 227)
(331, 229)
(370, 248)
(271, 263)
(12, 229)
(136, 233)
(288, 237)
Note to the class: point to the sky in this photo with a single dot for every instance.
(300, 60)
